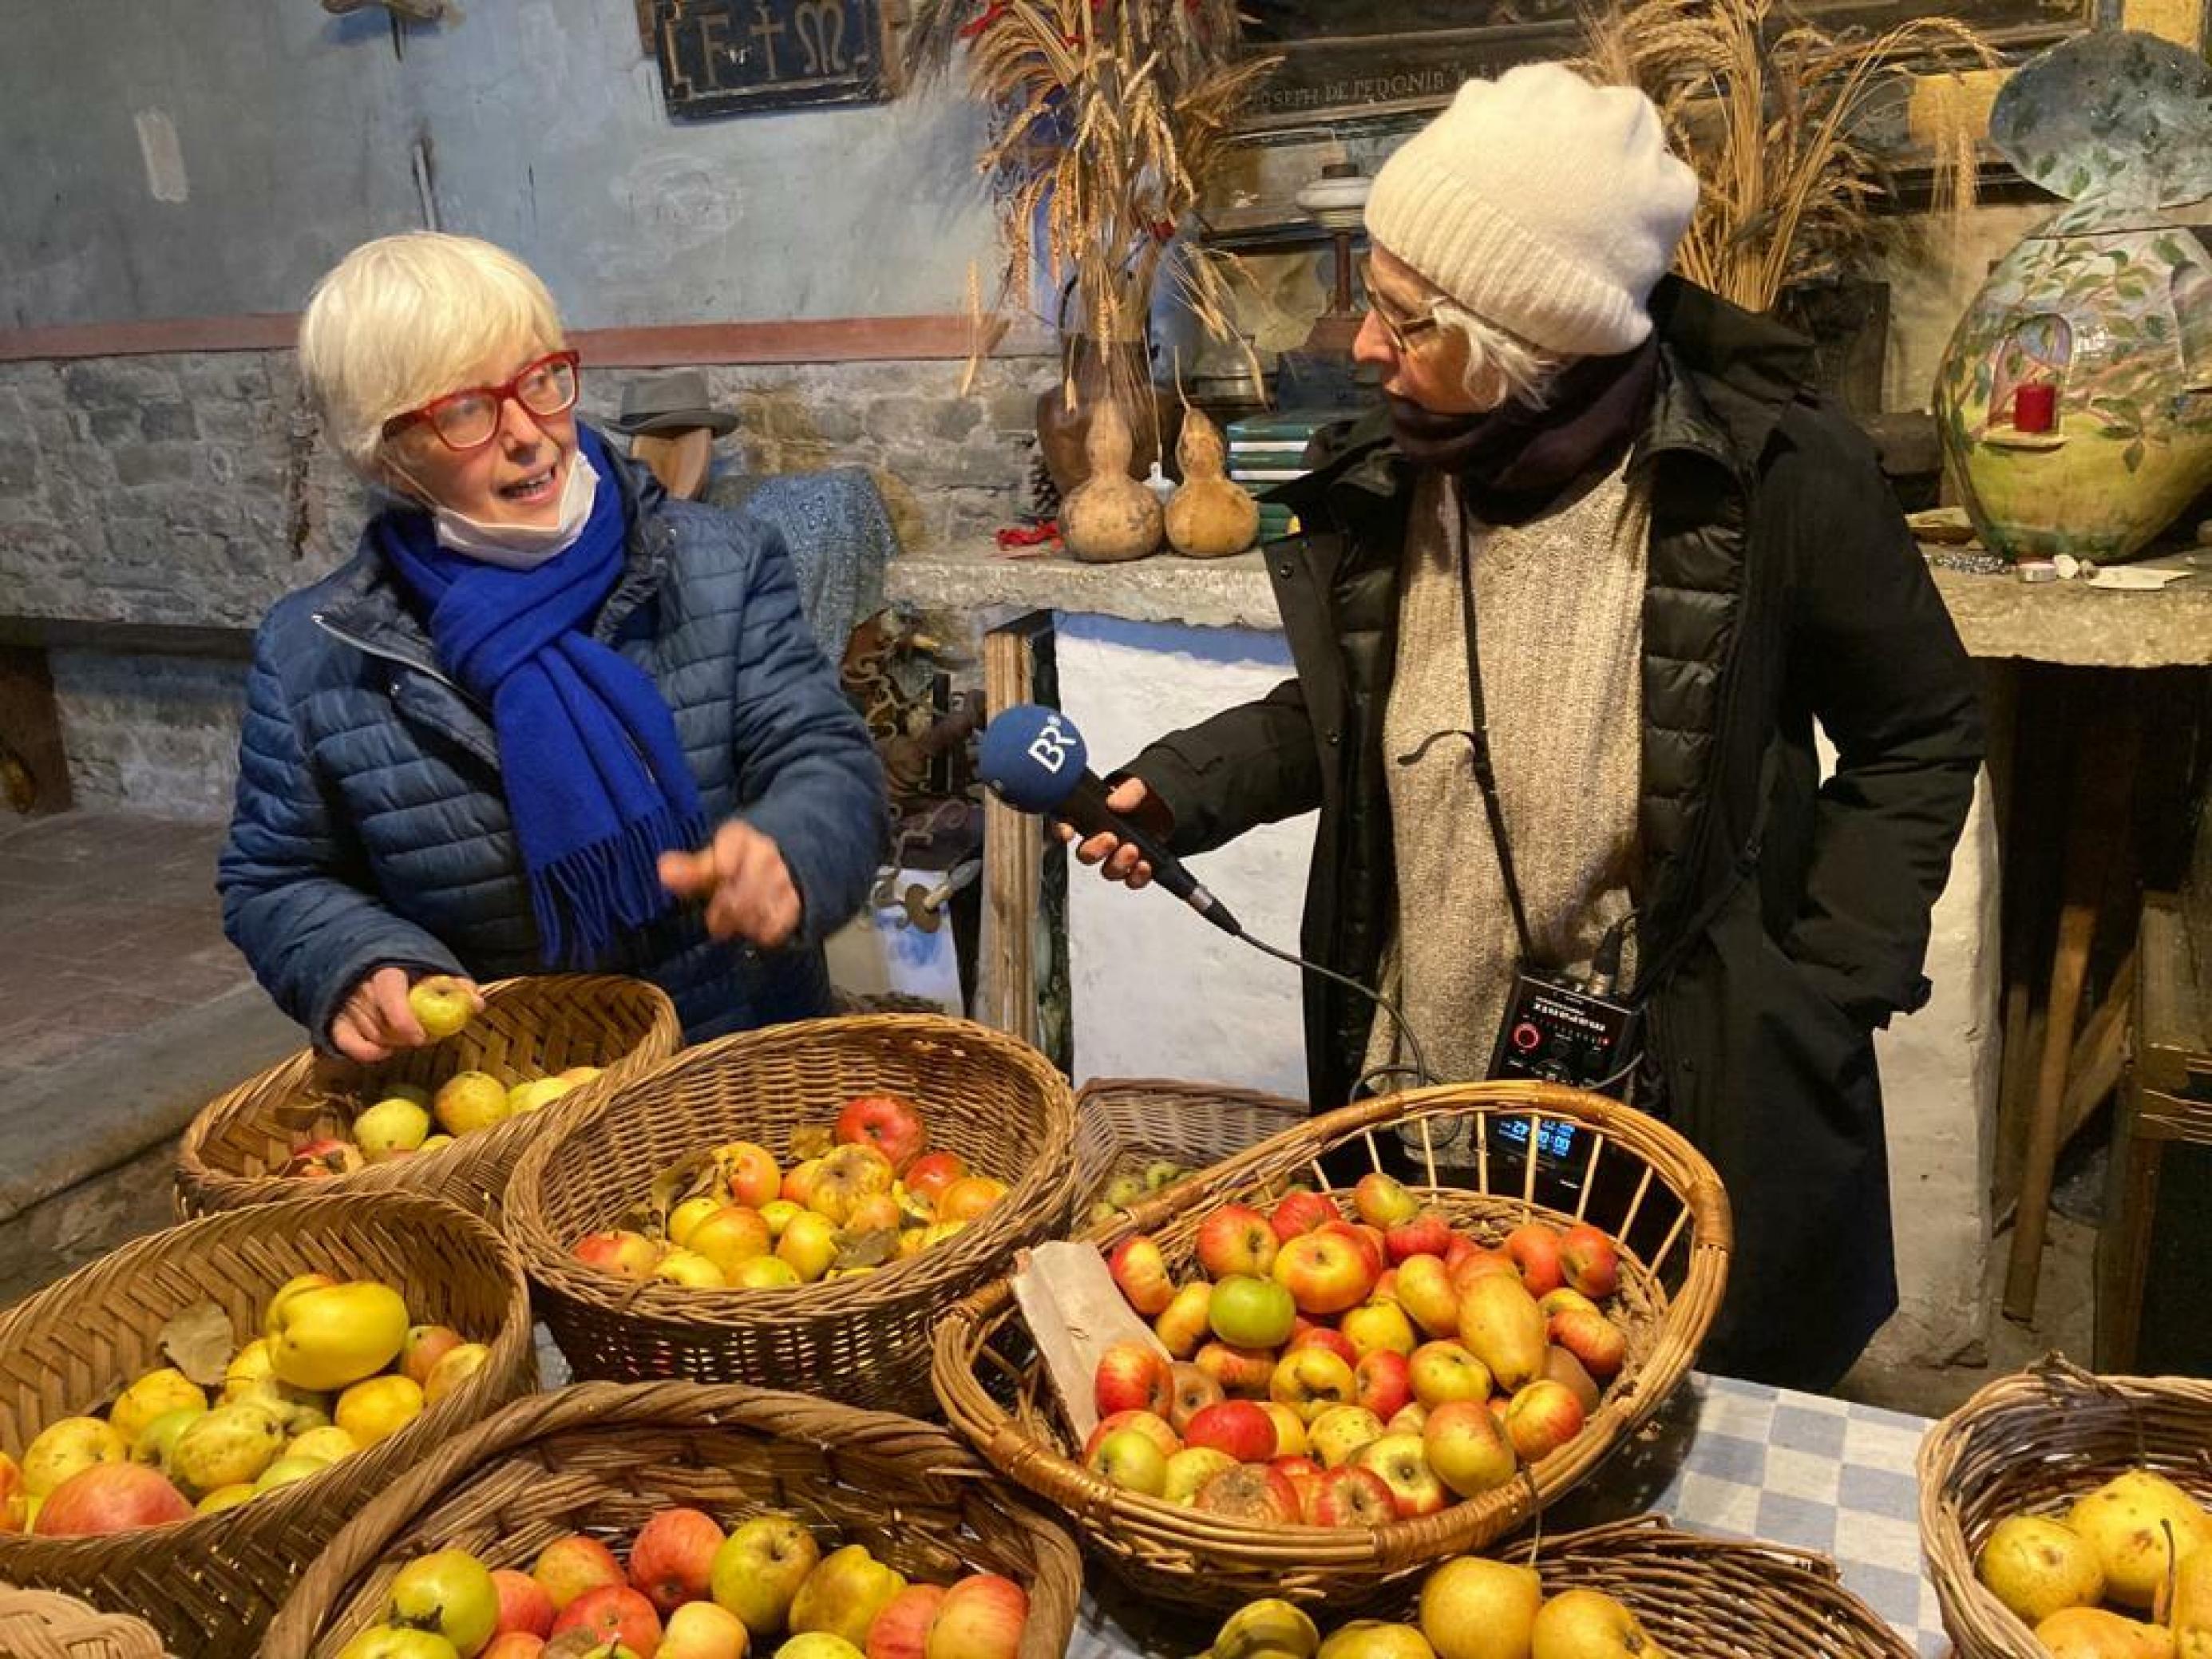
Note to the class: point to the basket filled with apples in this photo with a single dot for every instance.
(1345, 1380)
(1134, 1136)
(794, 1206)
(691, 1520)
(186, 1421)
(2069, 1513)
(1636, 1589)
(448, 1119)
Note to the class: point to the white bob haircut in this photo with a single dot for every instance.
(1501, 367)
(407, 318)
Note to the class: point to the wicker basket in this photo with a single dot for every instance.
(1673, 1223)
(603, 1457)
(41, 1624)
(1122, 1124)
(210, 1584)
(2032, 1443)
(235, 1151)
(864, 1340)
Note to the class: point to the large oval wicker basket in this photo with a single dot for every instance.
(864, 1340)
(1671, 1218)
(1123, 1124)
(2032, 1443)
(210, 1584)
(603, 1457)
(235, 1151)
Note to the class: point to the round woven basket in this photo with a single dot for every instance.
(1122, 1124)
(210, 1584)
(42, 1625)
(1671, 1221)
(235, 1151)
(603, 1457)
(2031, 1444)
(864, 1340)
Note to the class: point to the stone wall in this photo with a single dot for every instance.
(196, 488)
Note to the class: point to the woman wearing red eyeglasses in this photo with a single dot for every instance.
(546, 717)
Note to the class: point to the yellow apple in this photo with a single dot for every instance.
(454, 1367)
(380, 1406)
(154, 1395)
(469, 1100)
(328, 1337)
(66, 1446)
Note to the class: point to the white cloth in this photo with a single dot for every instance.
(524, 546)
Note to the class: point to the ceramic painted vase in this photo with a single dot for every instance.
(2109, 306)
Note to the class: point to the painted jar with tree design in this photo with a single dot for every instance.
(2074, 401)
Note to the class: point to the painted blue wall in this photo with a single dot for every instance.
(294, 134)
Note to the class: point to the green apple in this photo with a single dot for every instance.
(844, 1592)
(759, 1569)
(391, 1126)
(450, 1592)
(1250, 1312)
(441, 1005)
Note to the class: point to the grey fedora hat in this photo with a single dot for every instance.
(674, 402)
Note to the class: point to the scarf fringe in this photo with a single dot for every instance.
(583, 898)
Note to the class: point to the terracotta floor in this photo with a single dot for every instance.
(108, 923)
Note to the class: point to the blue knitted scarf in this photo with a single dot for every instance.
(596, 781)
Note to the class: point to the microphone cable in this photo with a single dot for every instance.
(1419, 1070)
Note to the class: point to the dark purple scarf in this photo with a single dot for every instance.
(1514, 462)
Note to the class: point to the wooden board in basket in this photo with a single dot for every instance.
(210, 1584)
(603, 1458)
(2032, 1444)
(236, 1150)
(1628, 1175)
(863, 1340)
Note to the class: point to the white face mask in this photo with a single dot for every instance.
(524, 546)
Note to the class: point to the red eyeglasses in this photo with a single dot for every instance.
(469, 419)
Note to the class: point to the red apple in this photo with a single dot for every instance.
(1243, 1373)
(1399, 1459)
(982, 1617)
(108, 1498)
(1303, 1475)
(928, 1175)
(1311, 1380)
(1542, 1418)
(575, 1566)
(1251, 1313)
(1327, 1337)
(1194, 1392)
(515, 1644)
(625, 1254)
(1591, 1260)
(1427, 1234)
(613, 1613)
(1383, 1382)
(1142, 1274)
(1251, 1493)
(1154, 1428)
(1481, 1264)
(1534, 1250)
(1383, 1200)
(1593, 1339)
(890, 1123)
(1132, 1377)
(1236, 1426)
(1461, 1248)
(1325, 1273)
(1351, 1497)
(325, 1159)
(1236, 1239)
(1467, 1446)
(1300, 1213)
(1425, 1292)
(1186, 1322)
(1369, 1239)
(901, 1628)
(671, 1560)
(524, 1606)
(426, 1344)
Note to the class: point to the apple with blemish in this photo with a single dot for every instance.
(1152, 1426)
(1243, 1373)
(1593, 1339)
(1443, 1372)
(1311, 1380)
(574, 1566)
(1542, 1418)
(1383, 1382)
(1383, 1200)
(1533, 1248)
(928, 1175)
(1342, 1430)
(1591, 1260)
(1416, 1489)
(1191, 1468)
(1427, 1234)
(1251, 1493)
(1300, 1213)
(1236, 1239)
(1185, 1323)
(1350, 1496)
(1191, 1392)
(1140, 1273)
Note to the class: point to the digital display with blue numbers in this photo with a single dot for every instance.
(1554, 1140)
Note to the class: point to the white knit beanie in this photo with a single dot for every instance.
(1544, 205)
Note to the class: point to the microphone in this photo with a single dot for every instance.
(1033, 758)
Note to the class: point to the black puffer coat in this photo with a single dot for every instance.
(1782, 920)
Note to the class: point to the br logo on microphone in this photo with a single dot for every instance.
(1053, 745)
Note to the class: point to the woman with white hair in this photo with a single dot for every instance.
(546, 717)
(1564, 614)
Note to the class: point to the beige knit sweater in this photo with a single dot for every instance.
(1558, 610)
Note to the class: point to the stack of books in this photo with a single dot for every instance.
(1267, 451)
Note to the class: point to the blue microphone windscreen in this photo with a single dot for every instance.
(1031, 757)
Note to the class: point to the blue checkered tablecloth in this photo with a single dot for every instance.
(1734, 1460)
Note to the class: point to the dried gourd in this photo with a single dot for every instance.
(1209, 517)
(1110, 517)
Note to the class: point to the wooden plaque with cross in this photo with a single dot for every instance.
(735, 57)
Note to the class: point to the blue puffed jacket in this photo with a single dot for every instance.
(371, 824)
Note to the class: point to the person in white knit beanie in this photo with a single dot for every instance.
(1675, 559)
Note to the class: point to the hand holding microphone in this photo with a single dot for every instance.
(1119, 860)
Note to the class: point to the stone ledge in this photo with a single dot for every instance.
(1997, 615)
